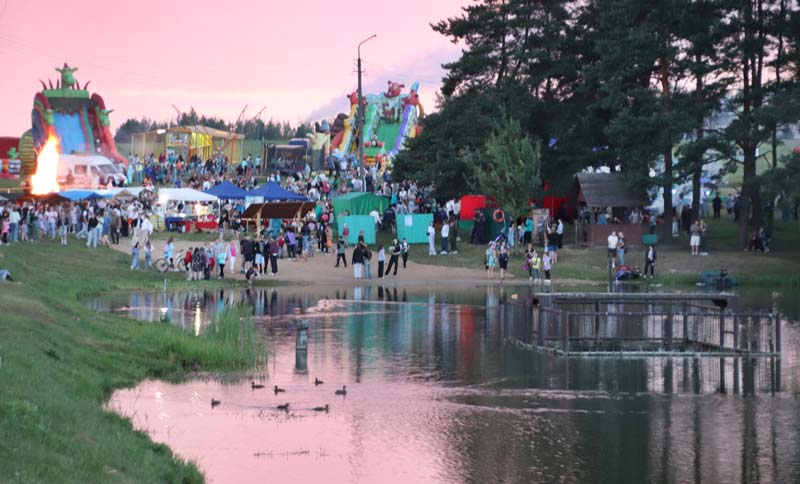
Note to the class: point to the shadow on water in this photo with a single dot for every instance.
(437, 394)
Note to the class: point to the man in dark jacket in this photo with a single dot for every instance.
(247, 252)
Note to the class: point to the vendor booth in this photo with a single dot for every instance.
(359, 203)
(272, 192)
(227, 191)
(470, 203)
(188, 141)
(414, 227)
(357, 223)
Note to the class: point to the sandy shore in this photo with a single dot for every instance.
(321, 269)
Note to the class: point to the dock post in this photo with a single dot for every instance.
(668, 331)
(565, 332)
(596, 324)
(777, 320)
(685, 326)
(735, 333)
(721, 328)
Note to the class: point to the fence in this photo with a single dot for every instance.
(646, 323)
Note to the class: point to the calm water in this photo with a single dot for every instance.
(437, 394)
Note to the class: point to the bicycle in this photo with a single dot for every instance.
(162, 265)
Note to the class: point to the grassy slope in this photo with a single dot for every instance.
(675, 265)
(61, 361)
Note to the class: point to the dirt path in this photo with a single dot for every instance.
(320, 269)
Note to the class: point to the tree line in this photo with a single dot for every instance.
(628, 84)
(251, 128)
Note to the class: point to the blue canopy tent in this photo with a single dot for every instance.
(271, 192)
(76, 195)
(227, 191)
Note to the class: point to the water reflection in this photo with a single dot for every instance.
(437, 394)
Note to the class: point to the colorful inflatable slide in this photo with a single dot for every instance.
(78, 119)
(391, 117)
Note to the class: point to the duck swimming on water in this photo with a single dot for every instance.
(214, 403)
(278, 390)
(284, 407)
(256, 386)
(317, 381)
(343, 391)
(321, 409)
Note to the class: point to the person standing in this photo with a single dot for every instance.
(135, 254)
(650, 260)
(613, 241)
(340, 255)
(445, 234)
(258, 254)
(503, 260)
(272, 250)
(453, 236)
(560, 234)
(357, 261)
(535, 264)
(222, 258)
(694, 239)
(490, 259)
(404, 249)
(717, 204)
(431, 242)
(393, 259)
(63, 226)
(148, 255)
(367, 262)
(547, 265)
(621, 249)
(381, 261)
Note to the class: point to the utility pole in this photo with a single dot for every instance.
(361, 105)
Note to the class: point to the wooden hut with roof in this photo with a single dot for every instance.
(604, 191)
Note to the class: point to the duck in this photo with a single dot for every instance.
(284, 407)
(317, 381)
(214, 403)
(343, 391)
(256, 386)
(278, 390)
(321, 409)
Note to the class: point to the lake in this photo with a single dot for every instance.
(437, 392)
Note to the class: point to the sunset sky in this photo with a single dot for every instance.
(297, 58)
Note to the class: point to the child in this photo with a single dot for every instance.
(148, 254)
(535, 263)
(381, 261)
(187, 261)
(169, 250)
(547, 266)
(135, 253)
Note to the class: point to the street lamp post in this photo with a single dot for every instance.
(361, 104)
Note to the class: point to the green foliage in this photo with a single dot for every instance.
(443, 154)
(510, 172)
(61, 360)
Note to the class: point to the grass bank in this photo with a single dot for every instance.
(675, 266)
(60, 362)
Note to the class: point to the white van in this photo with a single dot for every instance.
(88, 171)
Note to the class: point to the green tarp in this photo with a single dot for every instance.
(356, 223)
(359, 203)
(414, 228)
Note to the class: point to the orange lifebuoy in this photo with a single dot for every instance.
(499, 216)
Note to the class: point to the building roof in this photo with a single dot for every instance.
(607, 190)
(213, 132)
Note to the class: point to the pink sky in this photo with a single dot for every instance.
(296, 58)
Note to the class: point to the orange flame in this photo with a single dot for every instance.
(44, 181)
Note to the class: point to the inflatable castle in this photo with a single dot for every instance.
(78, 119)
(390, 118)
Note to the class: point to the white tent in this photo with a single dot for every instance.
(120, 192)
(184, 195)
